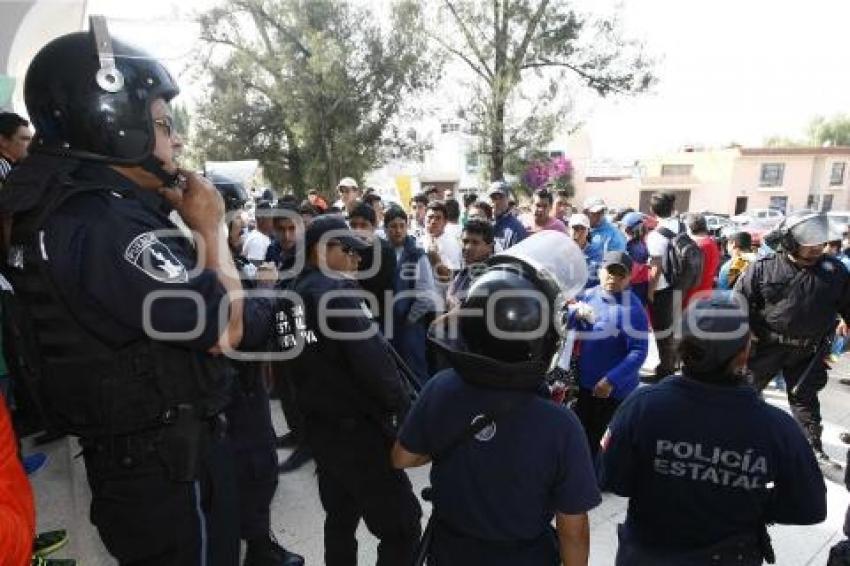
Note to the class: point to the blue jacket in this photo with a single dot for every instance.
(606, 237)
(616, 344)
(507, 231)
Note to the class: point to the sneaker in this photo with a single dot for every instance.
(287, 440)
(49, 542)
(267, 552)
(844, 381)
(34, 462)
(301, 456)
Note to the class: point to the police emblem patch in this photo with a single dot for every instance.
(487, 433)
(149, 254)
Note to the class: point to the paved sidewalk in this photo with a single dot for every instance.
(63, 497)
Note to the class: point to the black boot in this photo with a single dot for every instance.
(830, 469)
(267, 552)
(288, 440)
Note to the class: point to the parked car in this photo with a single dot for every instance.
(760, 214)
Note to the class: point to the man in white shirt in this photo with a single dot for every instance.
(443, 249)
(257, 241)
(349, 193)
(665, 304)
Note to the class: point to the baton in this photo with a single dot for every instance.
(818, 356)
(424, 547)
(405, 371)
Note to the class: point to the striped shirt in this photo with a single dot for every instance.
(5, 169)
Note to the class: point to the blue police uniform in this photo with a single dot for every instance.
(351, 397)
(704, 466)
(495, 495)
(165, 492)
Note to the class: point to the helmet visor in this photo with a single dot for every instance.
(815, 230)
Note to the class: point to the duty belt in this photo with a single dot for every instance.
(770, 337)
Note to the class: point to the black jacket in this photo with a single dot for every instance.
(793, 301)
(341, 364)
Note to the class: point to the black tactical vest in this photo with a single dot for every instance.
(84, 386)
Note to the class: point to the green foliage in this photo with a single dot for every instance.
(314, 89)
(821, 132)
(834, 131)
(522, 55)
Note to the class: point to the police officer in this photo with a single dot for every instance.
(795, 296)
(253, 439)
(705, 463)
(120, 314)
(506, 458)
(351, 397)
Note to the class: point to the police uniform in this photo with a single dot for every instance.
(792, 311)
(705, 463)
(147, 411)
(705, 467)
(351, 397)
(506, 458)
(116, 316)
(495, 495)
(253, 438)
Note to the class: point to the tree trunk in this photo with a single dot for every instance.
(497, 142)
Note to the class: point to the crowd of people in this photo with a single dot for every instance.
(160, 351)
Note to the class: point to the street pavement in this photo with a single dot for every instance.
(62, 499)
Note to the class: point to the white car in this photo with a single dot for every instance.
(761, 215)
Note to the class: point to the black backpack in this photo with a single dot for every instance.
(684, 260)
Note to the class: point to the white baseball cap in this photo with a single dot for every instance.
(579, 220)
(594, 204)
(347, 182)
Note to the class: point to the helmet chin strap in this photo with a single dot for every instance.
(154, 166)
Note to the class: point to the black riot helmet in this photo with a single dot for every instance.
(234, 194)
(515, 321)
(89, 98)
(806, 229)
(510, 324)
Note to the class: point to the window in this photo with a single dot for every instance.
(449, 127)
(556, 154)
(679, 169)
(471, 161)
(771, 174)
(778, 203)
(822, 202)
(837, 176)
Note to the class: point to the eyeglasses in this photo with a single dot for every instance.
(167, 125)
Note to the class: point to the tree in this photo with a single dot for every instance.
(834, 131)
(821, 132)
(312, 88)
(522, 55)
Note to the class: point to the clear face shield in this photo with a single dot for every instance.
(814, 230)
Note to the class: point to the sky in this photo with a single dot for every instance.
(728, 70)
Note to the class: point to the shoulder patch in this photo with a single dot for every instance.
(150, 255)
(487, 433)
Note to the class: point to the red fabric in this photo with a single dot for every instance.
(17, 510)
(710, 264)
